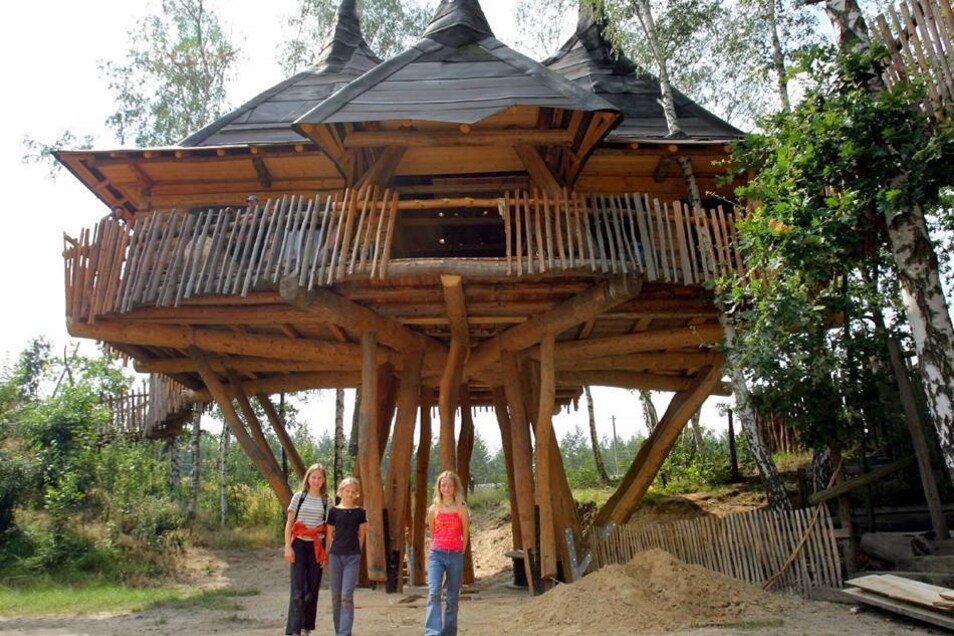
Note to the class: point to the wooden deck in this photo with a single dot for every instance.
(155, 409)
(162, 260)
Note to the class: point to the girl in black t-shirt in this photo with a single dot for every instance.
(347, 529)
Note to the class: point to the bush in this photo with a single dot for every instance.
(13, 475)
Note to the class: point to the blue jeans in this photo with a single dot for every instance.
(441, 564)
(343, 569)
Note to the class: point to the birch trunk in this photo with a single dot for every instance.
(778, 58)
(224, 477)
(595, 439)
(193, 504)
(175, 473)
(339, 437)
(650, 416)
(925, 304)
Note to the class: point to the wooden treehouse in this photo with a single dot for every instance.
(457, 226)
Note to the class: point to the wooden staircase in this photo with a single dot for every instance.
(157, 409)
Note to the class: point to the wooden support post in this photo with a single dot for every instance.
(282, 433)
(544, 449)
(451, 377)
(369, 461)
(522, 462)
(654, 450)
(465, 449)
(399, 468)
(275, 479)
(253, 424)
(506, 442)
(387, 401)
(420, 486)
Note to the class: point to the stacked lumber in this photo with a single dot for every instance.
(925, 602)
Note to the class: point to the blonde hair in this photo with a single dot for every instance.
(349, 481)
(458, 488)
(324, 485)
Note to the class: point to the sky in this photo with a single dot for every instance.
(49, 65)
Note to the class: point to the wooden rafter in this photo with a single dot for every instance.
(540, 173)
(281, 432)
(453, 367)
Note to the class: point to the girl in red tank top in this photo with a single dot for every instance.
(449, 522)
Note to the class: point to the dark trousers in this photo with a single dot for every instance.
(305, 579)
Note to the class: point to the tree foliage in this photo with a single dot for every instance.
(175, 75)
(389, 27)
(828, 175)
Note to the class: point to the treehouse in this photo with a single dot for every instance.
(457, 226)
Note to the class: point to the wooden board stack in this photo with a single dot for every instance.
(925, 602)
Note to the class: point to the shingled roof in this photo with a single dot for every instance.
(267, 118)
(588, 59)
(457, 73)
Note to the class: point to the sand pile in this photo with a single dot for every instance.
(489, 546)
(653, 592)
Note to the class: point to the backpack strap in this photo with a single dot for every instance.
(301, 500)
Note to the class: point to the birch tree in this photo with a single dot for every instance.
(595, 439)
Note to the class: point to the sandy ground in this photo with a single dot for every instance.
(492, 606)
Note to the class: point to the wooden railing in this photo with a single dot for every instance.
(788, 550)
(163, 259)
(157, 408)
(618, 233)
(919, 35)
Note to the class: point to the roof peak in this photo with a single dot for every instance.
(458, 22)
(342, 38)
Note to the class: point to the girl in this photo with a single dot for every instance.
(347, 529)
(449, 522)
(303, 549)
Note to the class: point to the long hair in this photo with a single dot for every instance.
(458, 488)
(350, 481)
(324, 484)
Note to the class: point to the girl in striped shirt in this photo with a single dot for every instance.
(304, 531)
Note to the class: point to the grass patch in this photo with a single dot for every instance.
(238, 538)
(95, 598)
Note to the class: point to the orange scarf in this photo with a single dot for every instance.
(303, 531)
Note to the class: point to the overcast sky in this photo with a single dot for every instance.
(50, 54)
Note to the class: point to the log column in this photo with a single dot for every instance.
(522, 463)
(544, 450)
(369, 462)
(465, 449)
(506, 442)
(453, 368)
(399, 468)
(420, 486)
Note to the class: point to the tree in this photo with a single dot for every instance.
(175, 75)
(594, 439)
(389, 27)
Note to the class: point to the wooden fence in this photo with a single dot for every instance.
(919, 35)
(752, 546)
(157, 408)
(163, 259)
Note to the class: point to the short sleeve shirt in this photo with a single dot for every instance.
(312, 511)
(346, 521)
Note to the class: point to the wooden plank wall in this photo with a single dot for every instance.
(619, 234)
(919, 35)
(751, 546)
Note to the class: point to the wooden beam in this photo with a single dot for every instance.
(540, 173)
(655, 449)
(382, 171)
(338, 310)
(545, 441)
(246, 364)
(291, 384)
(369, 463)
(277, 481)
(657, 340)
(252, 420)
(281, 432)
(417, 138)
(850, 485)
(506, 443)
(420, 487)
(152, 335)
(522, 461)
(627, 380)
(582, 307)
(655, 361)
(465, 450)
(453, 367)
(399, 468)
(264, 178)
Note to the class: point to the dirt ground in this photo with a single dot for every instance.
(617, 602)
